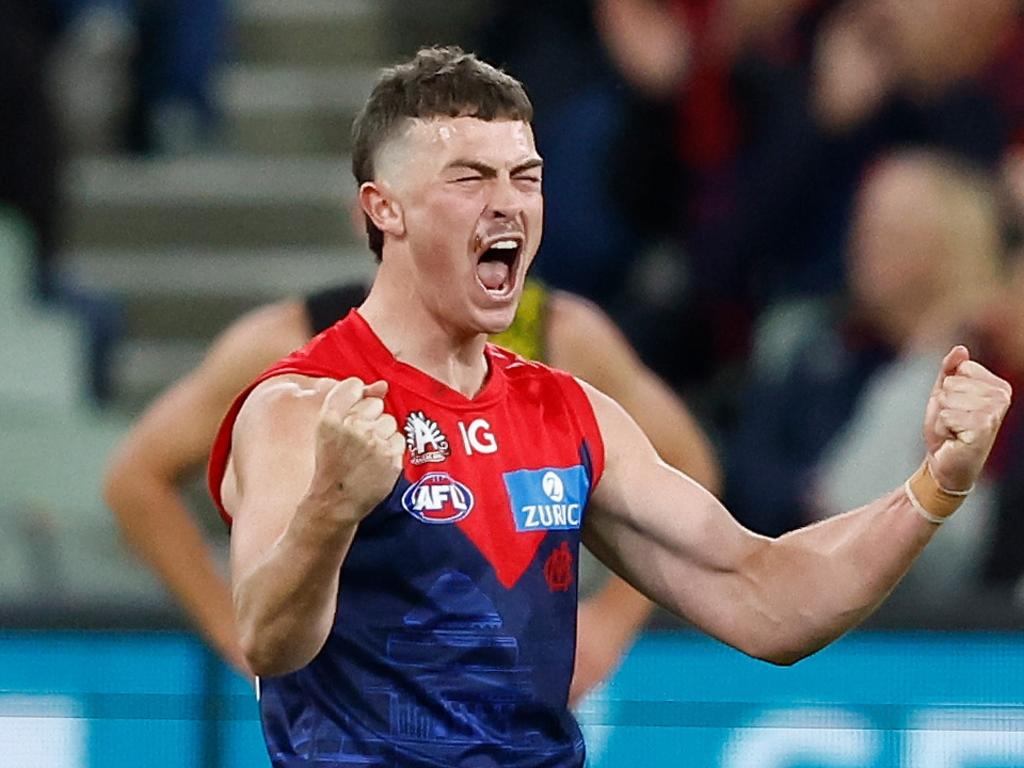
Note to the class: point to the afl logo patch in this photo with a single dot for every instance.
(437, 497)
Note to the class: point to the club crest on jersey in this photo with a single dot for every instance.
(550, 499)
(425, 440)
(437, 497)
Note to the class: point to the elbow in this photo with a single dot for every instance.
(264, 657)
(782, 651)
(272, 651)
(115, 488)
(781, 657)
(778, 654)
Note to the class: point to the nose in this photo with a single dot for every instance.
(505, 201)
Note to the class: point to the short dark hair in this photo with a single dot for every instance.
(436, 82)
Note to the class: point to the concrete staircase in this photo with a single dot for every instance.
(58, 546)
(185, 244)
(189, 243)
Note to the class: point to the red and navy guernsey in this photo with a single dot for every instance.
(455, 633)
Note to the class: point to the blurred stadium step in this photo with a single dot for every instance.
(337, 32)
(288, 111)
(203, 202)
(191, 295)
(187, 243)
(141, 367)
(256, 274)
(44, 365)
(311, 32)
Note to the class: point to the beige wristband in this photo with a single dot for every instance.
(929, 499)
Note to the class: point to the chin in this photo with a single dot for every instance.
(494, 321)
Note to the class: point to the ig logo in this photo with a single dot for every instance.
(477, 437)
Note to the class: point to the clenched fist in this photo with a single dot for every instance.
(358, 446)
(964, 412)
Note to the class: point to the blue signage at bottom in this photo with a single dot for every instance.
(892, 700)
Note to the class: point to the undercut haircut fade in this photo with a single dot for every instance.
(436, 82)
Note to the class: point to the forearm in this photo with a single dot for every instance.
(285, 604)
(812, 585)
(157, 525)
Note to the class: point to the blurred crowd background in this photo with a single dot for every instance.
(793, 208)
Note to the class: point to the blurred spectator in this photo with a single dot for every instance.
(871, 50)
(775, 129)
(925, 256)
(174, 47)
(31, 161)
(30, 150)
(1001, 331)
(921, 257)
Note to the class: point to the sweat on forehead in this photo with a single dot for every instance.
(436, 136)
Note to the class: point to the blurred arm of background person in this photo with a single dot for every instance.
(654, 42)
(173, 438)
(869, 49)
(649, 44)
(585, 342)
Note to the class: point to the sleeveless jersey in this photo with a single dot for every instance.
(526, 336)
(454, 639)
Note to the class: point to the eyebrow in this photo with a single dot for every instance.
(489, 172)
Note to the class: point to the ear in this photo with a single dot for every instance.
(380, 205)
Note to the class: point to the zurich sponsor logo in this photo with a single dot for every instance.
(437, 497)
(548, 499)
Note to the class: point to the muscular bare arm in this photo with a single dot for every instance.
(779, 599)
(310, 459)
(171, 440)
(584, 341)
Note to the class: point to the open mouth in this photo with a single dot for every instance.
(496, 268)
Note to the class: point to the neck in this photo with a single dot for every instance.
(419, 337)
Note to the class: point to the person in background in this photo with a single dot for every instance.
(1000, 329)
(171, 48)
(921, 256)
(926, 252)
(173, 438)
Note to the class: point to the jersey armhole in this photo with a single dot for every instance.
(592, 448)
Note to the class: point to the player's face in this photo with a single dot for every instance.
(471, 198)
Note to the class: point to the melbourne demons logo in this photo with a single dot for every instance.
(437, 497)
(426, 441)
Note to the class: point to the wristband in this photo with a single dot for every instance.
(929, 499)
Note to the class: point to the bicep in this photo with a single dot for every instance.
(660, 530)
(271, 464)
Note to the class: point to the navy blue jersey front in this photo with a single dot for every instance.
(454, 638)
